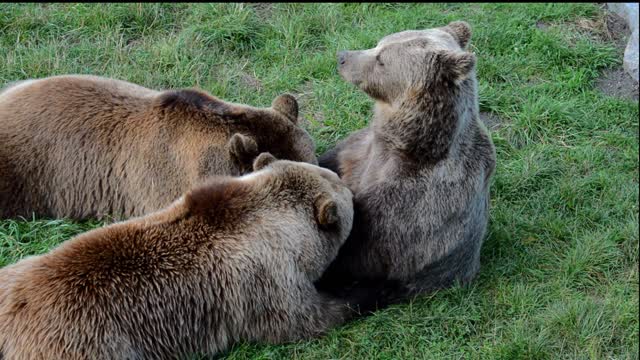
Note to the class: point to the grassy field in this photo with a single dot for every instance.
(559, 275)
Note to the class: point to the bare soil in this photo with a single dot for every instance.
(492, 121)
(609, 28)
(617, 83)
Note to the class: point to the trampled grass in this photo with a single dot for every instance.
(559, 275)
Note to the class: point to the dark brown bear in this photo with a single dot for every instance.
(232, 260)
(420, 172)
(85, 146)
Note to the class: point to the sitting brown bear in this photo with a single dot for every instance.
(420, 173)
(232, 260)
(86, 146)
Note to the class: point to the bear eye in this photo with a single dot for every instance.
(379, 61)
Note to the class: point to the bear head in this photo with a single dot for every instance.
(410, 62)
(276, 131)
(309, 204)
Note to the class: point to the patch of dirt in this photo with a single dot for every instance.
(491, 121)
(133, 42)
(542, 25)
(609, 27)
(263, 10)
(250, 81)
(318, 116)
(304, 93)
(305, 96)
(617, 83)
(617, 30)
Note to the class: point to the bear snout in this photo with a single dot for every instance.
(347, 66)
(342, 57)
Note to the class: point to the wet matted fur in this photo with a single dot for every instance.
(232, 260)
(85, 146)
(420, 172)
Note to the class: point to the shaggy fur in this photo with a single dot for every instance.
(86, 147)
(420, 173)
(232, 260)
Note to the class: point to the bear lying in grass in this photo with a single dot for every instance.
(88, 147)
(420, 172)
(232, 260)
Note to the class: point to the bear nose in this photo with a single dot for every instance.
(342, 57)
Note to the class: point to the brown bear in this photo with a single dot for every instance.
(420, 172)
(232, 260)
(88, 147)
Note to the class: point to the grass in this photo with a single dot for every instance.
(559, 275)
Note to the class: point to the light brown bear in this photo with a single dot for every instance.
(232, 260)
(420, 172)
(86, 147)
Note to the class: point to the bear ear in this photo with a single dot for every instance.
(461, 31)
(263, 160)
(243, 148)
(326, 210)
(287, 105)
(184, 99)
(457, 65)
(215, 193)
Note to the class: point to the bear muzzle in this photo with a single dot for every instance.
(348, 66)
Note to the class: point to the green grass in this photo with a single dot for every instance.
(559, 276)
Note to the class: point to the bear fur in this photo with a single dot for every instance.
(420, 172)
(88, 147)
(234, 259)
